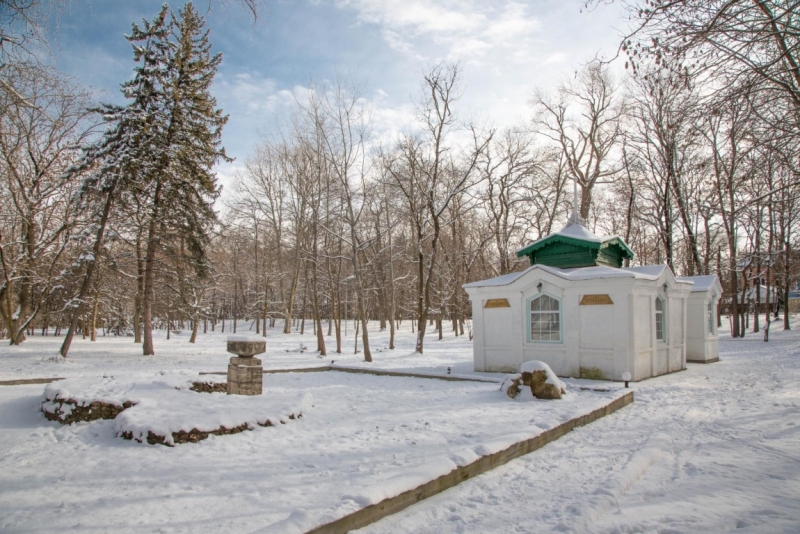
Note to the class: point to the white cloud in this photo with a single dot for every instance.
(508, 48)
(558, 57)
(418, 16)
(512, 24)
(451, 29)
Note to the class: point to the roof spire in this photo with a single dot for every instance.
(575, 218)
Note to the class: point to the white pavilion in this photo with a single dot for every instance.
(579, 310)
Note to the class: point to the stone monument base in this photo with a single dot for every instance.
(245, 376)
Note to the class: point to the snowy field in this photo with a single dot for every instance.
(715, 448)
(35, 357)
(366, 438)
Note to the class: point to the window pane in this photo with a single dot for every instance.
(660, 326)
(545, 319)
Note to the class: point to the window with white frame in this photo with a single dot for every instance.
(544, 313)
(660, 324)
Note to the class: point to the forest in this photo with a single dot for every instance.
(112, 220)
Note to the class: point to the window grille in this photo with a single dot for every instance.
(545, 318)
(660, 330)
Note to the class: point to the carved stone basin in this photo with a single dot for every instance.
(246, 346)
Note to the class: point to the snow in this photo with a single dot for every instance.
(701, 283)
(647, 272)
(164, 411)
(652, 272)
(573, 230)
(245, 339)
(118, 390)
(502, 280)
(536, 365)
(165, 404)
(578, 231)
(715, 448)
(366, 438)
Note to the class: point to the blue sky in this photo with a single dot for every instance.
(507, 49)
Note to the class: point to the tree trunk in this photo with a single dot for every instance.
(392, 312)
(95, 310)
(787, 258)
(149, 274)
(315, 305)
(362, 313)
(87, 279)
(734, 286)
(195, 323)
(305, 299)
(289, 304)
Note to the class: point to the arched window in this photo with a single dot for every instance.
(660, 325)
(544, 313)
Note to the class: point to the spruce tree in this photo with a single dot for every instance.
(178, 184)
(113, 164)
(160, 150)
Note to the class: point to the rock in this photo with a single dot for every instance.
(209, 387)
(511, 385)
(540, 388)
(69, 411)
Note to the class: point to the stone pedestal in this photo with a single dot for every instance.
(245, 373)
(245, 376)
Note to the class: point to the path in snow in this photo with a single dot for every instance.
(713, 449)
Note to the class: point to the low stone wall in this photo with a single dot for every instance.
(194, 435)
(68, 411)
(209, 387)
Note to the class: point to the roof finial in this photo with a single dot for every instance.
(575, 218)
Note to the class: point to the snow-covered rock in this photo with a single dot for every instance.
(511, 385)
(542, 380)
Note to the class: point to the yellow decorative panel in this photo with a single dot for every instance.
(596, 300)
(497, 303)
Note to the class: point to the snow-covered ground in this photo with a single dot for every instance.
(364, 439)
(36, 358)
(715, 448)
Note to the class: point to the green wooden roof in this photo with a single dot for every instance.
(575, 246)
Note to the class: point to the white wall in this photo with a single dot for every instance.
(597, 340)
(702, 345)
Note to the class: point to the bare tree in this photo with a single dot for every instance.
(728, 133)
(583, 120)
(38, 143)
(663, 109)
(429, 176)
(341, 123)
